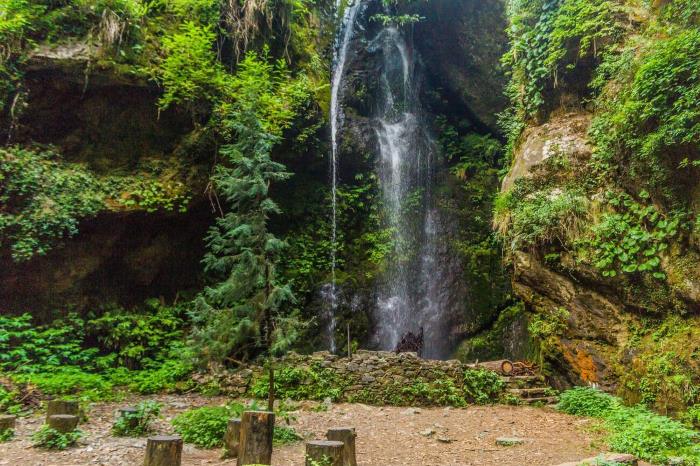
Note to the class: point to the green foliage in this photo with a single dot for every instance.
(42, 200)
(205, 427)
(482, 386)
(692, 416)
(139, 339)
(137, 424)
(68, 380)
(300, 383)
(530, 219)
(25, 347)
(633, 430)
(632, 241)
(285, 435)
(9, 402)
(51, 439)
(190, 73)
(6, 435)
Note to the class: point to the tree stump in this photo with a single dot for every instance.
(255, 445)
(232, 438)
(70, 407)
(163, 450)
(63, 423)
(347, 436)
(129, 416)
(7, 422)
(324, 453)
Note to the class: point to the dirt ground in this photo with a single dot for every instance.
(386, 436)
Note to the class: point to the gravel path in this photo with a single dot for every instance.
(387, 436)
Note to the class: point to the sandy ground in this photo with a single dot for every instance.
(386, 436)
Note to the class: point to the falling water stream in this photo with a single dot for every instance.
(413, 293)
(336, 116)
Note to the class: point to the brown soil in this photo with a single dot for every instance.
(386, 436)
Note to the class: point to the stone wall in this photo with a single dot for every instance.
(369, 377)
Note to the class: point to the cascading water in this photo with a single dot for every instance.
(330, 294)
(411, 297)
(415, 292)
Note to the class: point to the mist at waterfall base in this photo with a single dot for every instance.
(414, 294)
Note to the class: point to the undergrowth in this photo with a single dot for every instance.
(634, 430)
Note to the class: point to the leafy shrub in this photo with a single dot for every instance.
(139, 423)
(6, 435)
(634, 430)
(482, 386)
(51, 439)
(284, 435)
(297, 383)
(206, 426)
(139, 338)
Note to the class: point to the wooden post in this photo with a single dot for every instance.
(70, 407)
(255, 446)
(7, 422)
(324, 453)
(163, 450)
(347, 436)
(63, 423)
(232, 438)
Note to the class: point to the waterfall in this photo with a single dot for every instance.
(411, 297)
(340, 57)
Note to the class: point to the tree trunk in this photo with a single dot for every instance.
(7, 422)
(63, 423)
(324, 453)
(62, 407)
(347, 436)
(232, 438)
(163, 450)
(255, 445)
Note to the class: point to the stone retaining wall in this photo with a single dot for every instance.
(369, 376)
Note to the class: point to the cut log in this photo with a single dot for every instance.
(232, 438)
(7, 422)
(163, 450)
(324, 453)
(346, 435)
(504, 366)
(255, 445)
(70, 407)
(63, 423)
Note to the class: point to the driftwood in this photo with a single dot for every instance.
(325, 452)
(7, 422)
(346, 435)
(62, 407)
(255, 445)
(63, 423)
(232, 438)
(411, 343)
(163, 450)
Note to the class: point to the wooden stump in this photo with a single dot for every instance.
(63, 423)
(347, 436)
(62, 407)
(324, 453)
(255, 446)
(129, 416)
(163, 450)
(232, 438)
(7, 422)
